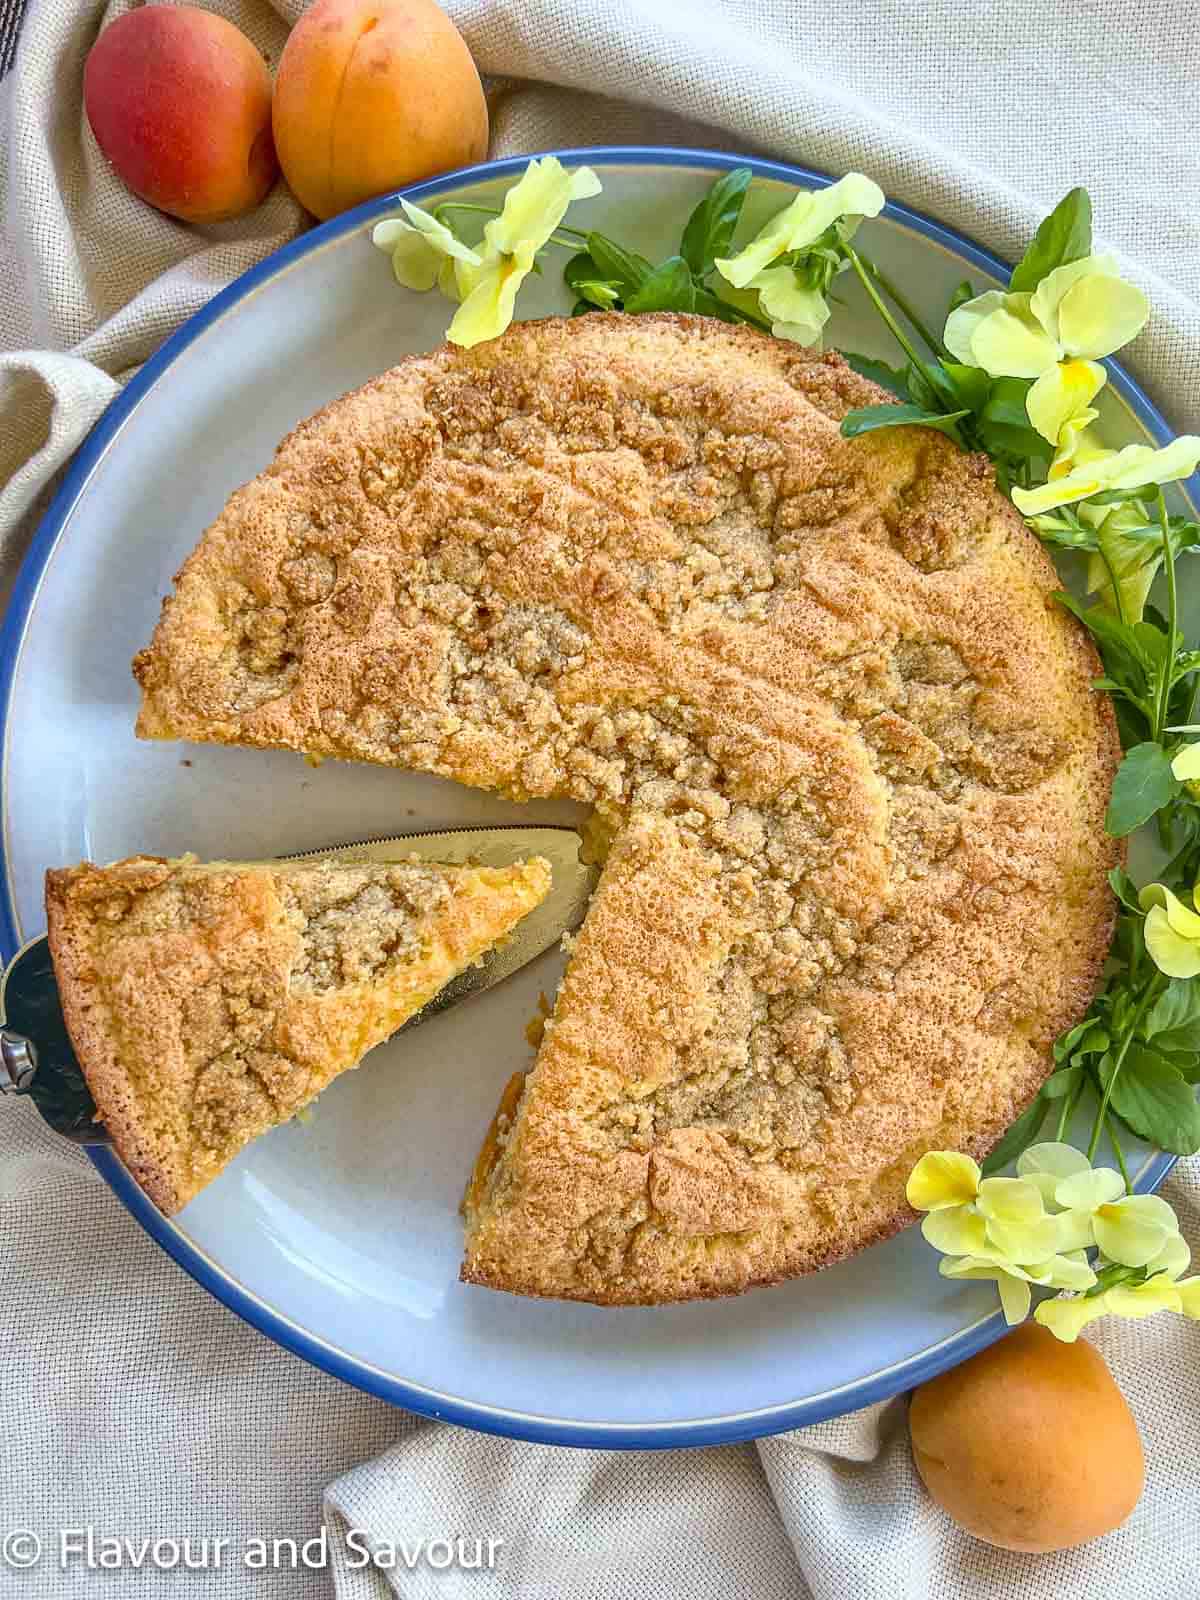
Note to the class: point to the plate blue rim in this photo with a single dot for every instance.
(541, 1430)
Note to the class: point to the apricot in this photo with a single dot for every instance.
(1029, 1445)
(371, 95)
(180, 103)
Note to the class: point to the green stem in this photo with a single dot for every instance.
(1070, 1101)
(1163, 697)
(896, 331)
(1118, 1152)
(905, 307)
(1112, 582)
(1101, 1115)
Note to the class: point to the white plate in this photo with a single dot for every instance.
(340, 1238)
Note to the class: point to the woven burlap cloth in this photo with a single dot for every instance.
(134, 1402)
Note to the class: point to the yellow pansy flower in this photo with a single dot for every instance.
(1082, 311)
(533, 209)
(423, 250)
(1137, 466)
(1060, 1272)
(1186, 764)
(1130, 1229)
(799, 311)
(1172, 932)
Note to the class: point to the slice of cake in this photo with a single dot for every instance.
(208, 1003)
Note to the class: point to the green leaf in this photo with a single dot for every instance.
(1065, 236)
(868, 418)
(1062, 1083)
(670, 287)
(890, 378)
(1006, 403)
(711, 226)
(1152, 1097)
(1125, 889)
(971, 385)
(615, 264)
(1088, 1038)
(1173, 1021)
(1020, 1136)
(1143, 785)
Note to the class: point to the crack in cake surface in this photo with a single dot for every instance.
(818, 691)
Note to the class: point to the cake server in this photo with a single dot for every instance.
(36, 1058)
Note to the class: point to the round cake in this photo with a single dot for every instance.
(848, 769)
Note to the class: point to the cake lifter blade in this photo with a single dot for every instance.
(36, 1057)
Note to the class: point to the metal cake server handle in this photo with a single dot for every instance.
(38, 1061)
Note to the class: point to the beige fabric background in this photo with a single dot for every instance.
(135, 1402)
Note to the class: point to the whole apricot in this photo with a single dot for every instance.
(371, 95)
(1030, 1444)
(180, 103)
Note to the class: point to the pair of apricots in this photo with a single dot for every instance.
(370, 95)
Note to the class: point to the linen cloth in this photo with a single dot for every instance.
(134, 1401)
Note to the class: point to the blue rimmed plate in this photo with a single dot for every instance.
(340, 1238)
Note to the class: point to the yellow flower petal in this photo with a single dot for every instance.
(1143, 1299)
(1013, 1200)
(488, 309)
(420, 247)
(1173, 1258)
(1023, 1243)
(1186, 765)
(415, 265)
(1135, 467)
(1052, 1159)
(1133, 1231)
(437, 233)
(1077, 446)
(1075, 1231)
(1086, 1190)
(801, 223)
(1010, 344)
(1189, 1297)
(1099, 315)
(1046, 301)
(1070, 1270)
(955, 1231)
(1062, 395)
(1015, 1297)
(942, 1178)
(802, 312)
(962, 323)
(1066, 1319)
(1171, 953)
(1012, 1283)
(536, 204)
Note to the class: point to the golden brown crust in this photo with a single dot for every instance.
(819, 691)
(208, 1004)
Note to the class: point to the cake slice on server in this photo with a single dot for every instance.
(208, 1003)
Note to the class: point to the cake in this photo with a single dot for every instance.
(208, 1003)
(840, 741)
